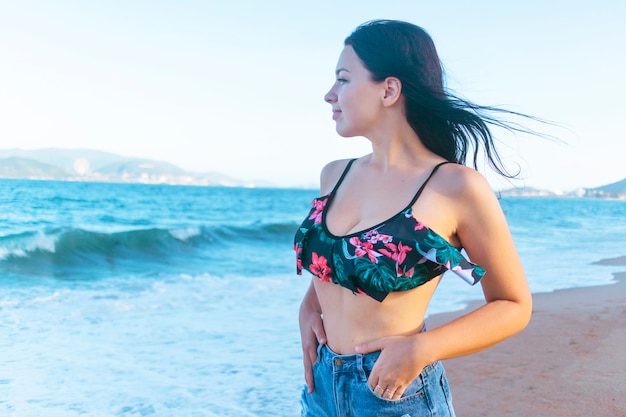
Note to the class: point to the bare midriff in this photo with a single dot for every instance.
(351, 319)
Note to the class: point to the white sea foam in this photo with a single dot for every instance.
(186, 233)
(23, 245)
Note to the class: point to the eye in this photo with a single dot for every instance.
(342, 80)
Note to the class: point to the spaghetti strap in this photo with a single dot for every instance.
(419, 192)
(343, 174)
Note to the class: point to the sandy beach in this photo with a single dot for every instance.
(569, 361)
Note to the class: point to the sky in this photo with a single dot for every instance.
(237, 87)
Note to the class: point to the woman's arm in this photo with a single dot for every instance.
(311, 332)
(483, 232)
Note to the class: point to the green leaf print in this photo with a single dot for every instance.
(340, 274)
(324, 238)
(445, 251)
(379, 275)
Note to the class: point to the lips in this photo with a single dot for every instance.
(336, 114)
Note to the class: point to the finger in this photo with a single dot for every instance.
(308, 373)
(318, 330)
(388, 393)
(374, 385)
(397, 394)
(371, 346)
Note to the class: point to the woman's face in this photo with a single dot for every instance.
(354, 97)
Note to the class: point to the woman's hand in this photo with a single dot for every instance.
(312, 333)
(398, 364)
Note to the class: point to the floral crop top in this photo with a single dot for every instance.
(398, 254)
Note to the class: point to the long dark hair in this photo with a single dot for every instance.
(446, 124)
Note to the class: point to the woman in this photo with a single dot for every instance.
(389, 224)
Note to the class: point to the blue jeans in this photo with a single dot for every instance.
(341, 390)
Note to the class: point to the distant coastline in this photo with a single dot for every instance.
(614, 191)
(96, 166)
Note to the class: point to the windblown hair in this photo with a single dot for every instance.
(446, 124)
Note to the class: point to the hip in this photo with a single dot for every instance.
(342, 389)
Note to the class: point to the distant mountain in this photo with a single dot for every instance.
(14, 167)
(91, 165)
(526, 192)
(141, 166)
(616, 190)
(65, 158)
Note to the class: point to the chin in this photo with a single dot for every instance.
(345, 132)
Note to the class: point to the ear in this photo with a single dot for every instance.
(393, 91)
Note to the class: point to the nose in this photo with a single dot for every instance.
(330, 97)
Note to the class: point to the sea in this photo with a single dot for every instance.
(161, 300)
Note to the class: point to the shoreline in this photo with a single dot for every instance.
(569, 361)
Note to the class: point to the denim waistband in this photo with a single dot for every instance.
(359, 363)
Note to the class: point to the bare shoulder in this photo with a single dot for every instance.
(472, 202)
(462, 182)
(466, 193)
(331, 173)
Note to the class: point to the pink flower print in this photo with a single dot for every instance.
(375, 237)
(319, 267)
(364, 248)
(419, 225)
(401, 271)
(298, 250)
(397, 253)
(316, 215)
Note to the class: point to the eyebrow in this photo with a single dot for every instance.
(338, 70)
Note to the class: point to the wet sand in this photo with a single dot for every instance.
(569, 361)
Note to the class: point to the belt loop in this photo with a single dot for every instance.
(360, 367)
(320, 347)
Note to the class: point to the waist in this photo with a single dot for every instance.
(354, 362)
(343, 338)
(351, 319)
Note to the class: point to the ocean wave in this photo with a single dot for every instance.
(63, 250)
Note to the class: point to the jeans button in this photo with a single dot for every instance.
(338, 362)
